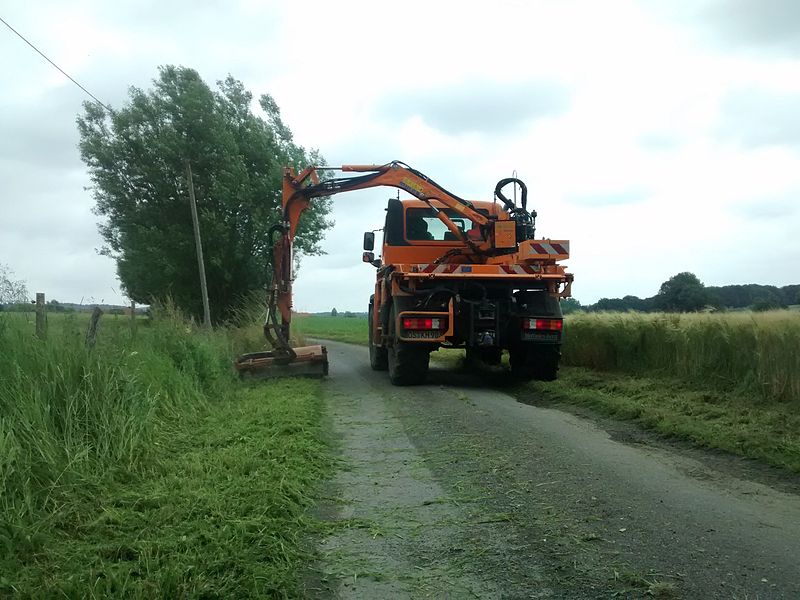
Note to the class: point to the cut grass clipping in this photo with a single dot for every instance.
(143, 469)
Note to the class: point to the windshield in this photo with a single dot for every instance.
(422, 224)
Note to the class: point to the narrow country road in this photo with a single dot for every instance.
(457, 490)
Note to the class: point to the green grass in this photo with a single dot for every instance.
(353, 330)
(218, 514)
(730, 421)
(142, 468)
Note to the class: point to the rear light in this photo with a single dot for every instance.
(543, 324)
(416, 323)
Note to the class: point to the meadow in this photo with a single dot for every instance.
(142, 467)
(352, 330)
(729, 381)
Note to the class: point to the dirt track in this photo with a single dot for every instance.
(462, 491)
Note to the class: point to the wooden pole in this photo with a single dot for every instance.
(91, 333)
(133, 315)
(41, 316)
(198, 246)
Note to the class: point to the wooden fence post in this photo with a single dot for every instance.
(41, 316)
(91, 333)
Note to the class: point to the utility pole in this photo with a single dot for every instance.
(198, 246)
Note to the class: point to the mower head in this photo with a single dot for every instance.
(308, 361)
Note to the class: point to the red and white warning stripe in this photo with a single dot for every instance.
(520, 269)
(433, 268)
(510, 269)
(550, 248)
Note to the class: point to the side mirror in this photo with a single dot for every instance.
(369, 240)
(368, 257)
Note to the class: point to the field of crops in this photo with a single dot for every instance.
(168, 477)
(754, 353)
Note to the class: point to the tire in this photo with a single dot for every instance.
(408, 362)
(378, 355)
(539, 363)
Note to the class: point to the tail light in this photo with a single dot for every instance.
(423, 323)
(543, 324)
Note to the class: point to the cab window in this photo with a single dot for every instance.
(422, 224)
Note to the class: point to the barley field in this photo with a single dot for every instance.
(755, 353)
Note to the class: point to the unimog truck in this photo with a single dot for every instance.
(452, 273)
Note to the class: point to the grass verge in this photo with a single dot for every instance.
(220, 513)
(142, 469)
(768, 431)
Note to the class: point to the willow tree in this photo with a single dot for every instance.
(136, 156)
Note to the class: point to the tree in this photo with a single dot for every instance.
(683, 292)
(763, 305)
(334, 312)
(12, 291)
(135, 156)
(570, 305)
(623, 304)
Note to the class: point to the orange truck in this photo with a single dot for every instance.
(452, 273)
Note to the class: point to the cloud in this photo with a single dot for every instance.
(770, 208)
(484, 107)
(758, 117)
(41, 132)
(765, 24)
(660, 141)
(617, 198)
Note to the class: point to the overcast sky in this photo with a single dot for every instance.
(658, 137)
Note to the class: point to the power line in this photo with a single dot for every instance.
(63, 72)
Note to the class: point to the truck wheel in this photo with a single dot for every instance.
(535, 362)
(408, 362)
(378, 355)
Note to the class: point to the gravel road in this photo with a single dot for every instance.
(457, 490)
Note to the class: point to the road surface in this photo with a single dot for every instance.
(458, 490)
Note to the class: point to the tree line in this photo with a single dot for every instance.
(684, 292)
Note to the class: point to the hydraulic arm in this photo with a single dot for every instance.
(496, 237)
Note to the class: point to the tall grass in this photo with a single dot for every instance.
(757, 353)
(69, 414)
